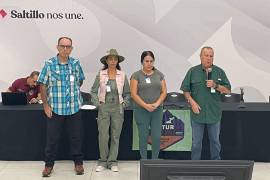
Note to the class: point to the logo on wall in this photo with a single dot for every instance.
(172, 130)
(38, 14)
(3, 13)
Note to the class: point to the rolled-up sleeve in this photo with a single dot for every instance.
(44, 75)
(81, 74)
(225, 82)
(186, 83)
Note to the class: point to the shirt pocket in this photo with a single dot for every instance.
(220, 81)
(197, 84)
(55, 77)
(217, 78)
(76, 74)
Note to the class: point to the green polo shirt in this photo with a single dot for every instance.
(210, 103)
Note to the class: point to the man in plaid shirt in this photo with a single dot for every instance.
(60, 81)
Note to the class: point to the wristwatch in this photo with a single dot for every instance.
(216, 86)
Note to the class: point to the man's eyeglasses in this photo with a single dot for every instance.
(65, 47)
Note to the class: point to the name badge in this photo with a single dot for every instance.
(148, 80)
(72, 78)
(108, 88)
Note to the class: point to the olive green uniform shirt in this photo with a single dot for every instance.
(210, 103)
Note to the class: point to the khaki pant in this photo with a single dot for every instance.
(110, 121)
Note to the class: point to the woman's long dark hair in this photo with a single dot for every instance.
(117, 65)
(147, 53)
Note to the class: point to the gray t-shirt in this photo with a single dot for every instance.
(149, 86)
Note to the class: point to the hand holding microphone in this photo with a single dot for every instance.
(209, 82)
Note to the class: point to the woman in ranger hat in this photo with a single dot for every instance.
(112, 98)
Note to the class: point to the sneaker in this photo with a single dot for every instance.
(114, 168)
(79, 169)
(47, 171)
(100, 168)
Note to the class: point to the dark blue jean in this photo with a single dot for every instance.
(197, 137)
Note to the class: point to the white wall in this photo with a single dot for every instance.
(174, 30)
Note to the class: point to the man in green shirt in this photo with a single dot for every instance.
(202, 87)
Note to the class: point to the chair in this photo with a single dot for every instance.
(230, 98)
(86, 97)
(175, 99)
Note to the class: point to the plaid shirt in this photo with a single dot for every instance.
(63, 85)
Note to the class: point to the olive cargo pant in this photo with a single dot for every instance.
(110, 121)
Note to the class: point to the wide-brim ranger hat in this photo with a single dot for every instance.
(112, 52)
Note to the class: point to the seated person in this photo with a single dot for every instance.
(29, 86)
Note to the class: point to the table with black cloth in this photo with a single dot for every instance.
(244, 134)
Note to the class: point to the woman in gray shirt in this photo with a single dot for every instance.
(148, 91)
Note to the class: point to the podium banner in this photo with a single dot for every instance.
(176, 132)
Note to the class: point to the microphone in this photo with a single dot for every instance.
(209, 77)
(241, 94)
(209, 73)
(241, 103)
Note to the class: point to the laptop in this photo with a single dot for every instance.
(14, 98)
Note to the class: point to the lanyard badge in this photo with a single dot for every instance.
(148, 80)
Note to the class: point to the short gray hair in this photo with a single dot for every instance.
(206, 47)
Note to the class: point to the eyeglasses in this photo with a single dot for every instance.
(65, 47)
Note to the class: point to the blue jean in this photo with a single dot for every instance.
(197, 137)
